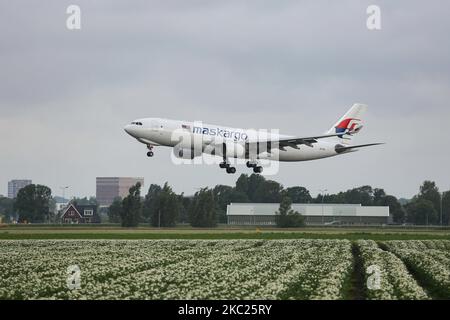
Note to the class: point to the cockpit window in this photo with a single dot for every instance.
(137, 123)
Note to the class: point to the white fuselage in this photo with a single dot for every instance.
(165, 132)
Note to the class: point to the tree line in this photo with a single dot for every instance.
(162, 207)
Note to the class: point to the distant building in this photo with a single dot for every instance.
(15, 185)
(59, 206)
(80, 214)
(315, 214)
(109, 188)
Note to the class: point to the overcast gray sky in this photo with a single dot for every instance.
(294, 65)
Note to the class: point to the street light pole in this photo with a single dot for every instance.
(64, 191)
(442, 193)
(322, 191)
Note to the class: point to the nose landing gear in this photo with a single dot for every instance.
(150, 152)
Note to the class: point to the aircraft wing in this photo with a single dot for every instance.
(294, 142)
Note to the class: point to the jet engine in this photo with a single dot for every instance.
(234, 150)
(186, 153)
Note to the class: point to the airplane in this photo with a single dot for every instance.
(192, 139)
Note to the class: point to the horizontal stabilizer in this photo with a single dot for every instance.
(340, 148)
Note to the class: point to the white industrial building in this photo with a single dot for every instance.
(315, 214)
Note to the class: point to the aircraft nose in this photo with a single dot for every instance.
(128, 129)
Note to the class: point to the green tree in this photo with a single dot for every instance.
(429, 191)
(330, 198)
(421, 211)
(268, 191)
(151, 202)
(395, 208)
(32, 203)
(91, 201)
(378, 196)
(224, 195)
(184, 210)
(286, 217)
(258, 189)
(202, 212)
(238, 197)
(299, 194)
(131, 207)
(6, 208)
(253, 191)
(53, 217)
(166, 208)
(362, 195)
(242, 184)
(115, 210)
(446, 208)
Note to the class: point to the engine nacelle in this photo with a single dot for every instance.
(185, 153)
(339, 148)
(235, 150)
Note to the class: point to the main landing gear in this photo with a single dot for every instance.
(150, 152)
(225, 164)
(228, 167)
(254, 165)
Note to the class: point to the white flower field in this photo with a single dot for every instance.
(220, 269)
(395, 280)
(429, 259)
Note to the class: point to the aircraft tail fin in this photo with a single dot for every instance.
(350, 123)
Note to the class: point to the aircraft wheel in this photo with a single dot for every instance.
(257, 169)
(150, 154)
(250, 164)
(231, 170)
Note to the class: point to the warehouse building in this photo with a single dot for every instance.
(261, 214)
